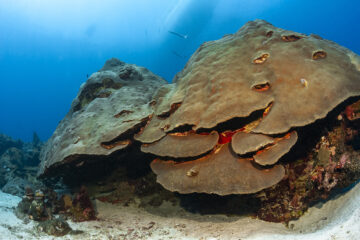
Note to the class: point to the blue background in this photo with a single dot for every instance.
(47, 48)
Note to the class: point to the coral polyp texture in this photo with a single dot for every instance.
(230, 122)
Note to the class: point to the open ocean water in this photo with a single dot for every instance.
(49, 48)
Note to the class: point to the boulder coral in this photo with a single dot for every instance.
(256, 88)
(229, 120)
(110, 106)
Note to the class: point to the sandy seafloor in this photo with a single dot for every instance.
(338, 218)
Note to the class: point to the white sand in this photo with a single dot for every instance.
(337, 219)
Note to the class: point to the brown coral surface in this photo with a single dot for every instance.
(221, 172)
(109, 108)
(255, 88)
(231, 120)
(247, 71)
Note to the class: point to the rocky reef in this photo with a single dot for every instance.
(264, 114)
(19, 164)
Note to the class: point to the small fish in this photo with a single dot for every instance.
(177, 54)
(179, 34)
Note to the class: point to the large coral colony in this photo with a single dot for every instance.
(265, 112)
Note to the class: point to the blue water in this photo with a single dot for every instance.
(47, 48)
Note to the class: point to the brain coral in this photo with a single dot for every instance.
(236, 107)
